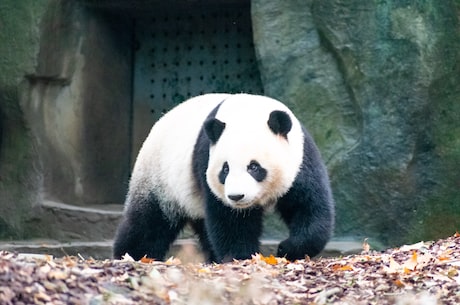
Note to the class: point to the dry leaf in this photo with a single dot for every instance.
(338, 267)
(381, 278)
(394, 267)
(399, 283)
(452, 272)
(417, 246)
(146, 260)
(366, 246)
(173, 261)
(204, 270)
(271, 260)
(445, 255)
(411, 263)
(127, 258)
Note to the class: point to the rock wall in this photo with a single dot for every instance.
(20, 175)
(377, 83)
(78, 104)
(65, 110)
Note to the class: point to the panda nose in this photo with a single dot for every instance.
(237, 197)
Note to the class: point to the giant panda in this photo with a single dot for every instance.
(218, 162)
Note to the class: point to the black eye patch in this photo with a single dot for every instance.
(223, 173)
(257, 171)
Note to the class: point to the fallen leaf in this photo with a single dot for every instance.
(69, 262)
(417, 246)
(366, 246)
(382, 278)
(452, 272)
(204, 270)
(127, 258)
(445, 254)
(407, 270)
(338, 267)
(399, 283)
(173, 261)
(394, 267)
(57, 275)
(41, 297)
(146, 260)
(411, 263)
(271, 260)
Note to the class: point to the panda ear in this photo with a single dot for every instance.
(214, 128)
(280, 123)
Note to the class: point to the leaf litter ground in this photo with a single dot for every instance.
(425, 273)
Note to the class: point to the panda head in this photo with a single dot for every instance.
(256, 151)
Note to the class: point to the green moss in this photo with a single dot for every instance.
(20, 21)
(19, 181)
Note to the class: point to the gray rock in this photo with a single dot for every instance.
(296, 68)
(377, 83)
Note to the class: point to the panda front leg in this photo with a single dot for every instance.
(233, 234)
(200, 229)
(145, 230)
(309, 215)
(308, 207)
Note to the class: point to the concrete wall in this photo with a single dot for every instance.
(20, 171)
(79, 103)
(65, 105)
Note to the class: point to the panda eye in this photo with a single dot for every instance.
(225, 168)
(253, 167)
(223, 173)
(257, 171)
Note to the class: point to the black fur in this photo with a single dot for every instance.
(138, 233)
(214, 129)
(224, 173)
(280, 123)
(200, 229)
(308, 207)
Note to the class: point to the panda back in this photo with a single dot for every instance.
(164, 164)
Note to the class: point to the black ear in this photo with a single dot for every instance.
(280, 123)
(214, 128)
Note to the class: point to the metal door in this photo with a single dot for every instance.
(187, 52)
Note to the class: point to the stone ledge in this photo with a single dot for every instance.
(103, 249)
(77, 223)
(89, 231)
(104, 209)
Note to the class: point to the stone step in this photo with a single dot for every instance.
(77, 223)
(181, 248)
(89, 231)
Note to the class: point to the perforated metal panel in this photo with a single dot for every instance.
(185, 53)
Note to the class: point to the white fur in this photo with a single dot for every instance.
(164, 163)
(247, 137)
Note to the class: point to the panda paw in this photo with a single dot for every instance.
(287, 249)
(293, 249)
(298, 248)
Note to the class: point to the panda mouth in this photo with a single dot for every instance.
(248, 203)
(240, 205)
